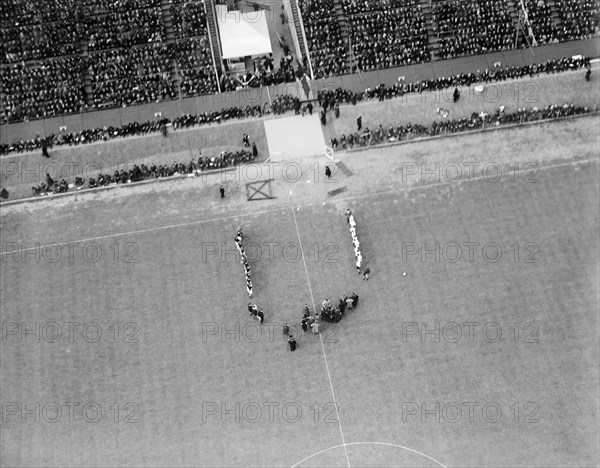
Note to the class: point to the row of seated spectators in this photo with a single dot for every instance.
(280, 105)
(472, 27)
(188, 20)
(327, 49)
(143, 172)
(385, 35)
(475, 121)
(51, 87)
(284, 103)
(101, 7)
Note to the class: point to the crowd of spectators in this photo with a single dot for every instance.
(121, 77)
(472, 27)
(43, 89)
(463, 124)
(16, 13)
(143, 172)
(327, 98)
(124, 28)
(194, 66)
(39, 41)
(327, 49)
(387, 33)
(580, 18)
(188, 19)
(539, 15)
(101, 7)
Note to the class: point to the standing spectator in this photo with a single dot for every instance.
(315, 328)
(45, 147)
(336, 110)
(456, 95)
(328, 172)
(358, 123)
(304, 324)
(286, 329)
(222, 190)
(292, 343)
(254, 150)
(588, 73)
(323, 118)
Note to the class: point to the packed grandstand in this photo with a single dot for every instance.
(67, 56)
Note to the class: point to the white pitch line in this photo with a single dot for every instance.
(320, 337)
(270, 210)
(371, 443)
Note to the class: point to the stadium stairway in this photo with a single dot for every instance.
(345, 33)
(165, 9)
(84, 54)
(213, 34)
(298, 28)
(433, 39)
(556, 19)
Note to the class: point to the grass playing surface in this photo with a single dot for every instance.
(198, 393)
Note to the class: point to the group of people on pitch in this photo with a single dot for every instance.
(238, 242)
(329, 313)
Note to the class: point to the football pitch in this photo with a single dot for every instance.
(126, 339)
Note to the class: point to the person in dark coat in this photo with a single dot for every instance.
(260, 316)
(309, 106)
(286, 329)
(358, 124)
(336, 110)
(222, 190)
(254, 150)
(292, 343)
(49, 180)
(342, 306)
(327, 172)
(304, 324)
(456, 95)
(588, 74)
(323, 118)
(45, 148)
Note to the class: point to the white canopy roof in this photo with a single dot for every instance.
(243, 33)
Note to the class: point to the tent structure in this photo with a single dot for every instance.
(243, 34)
